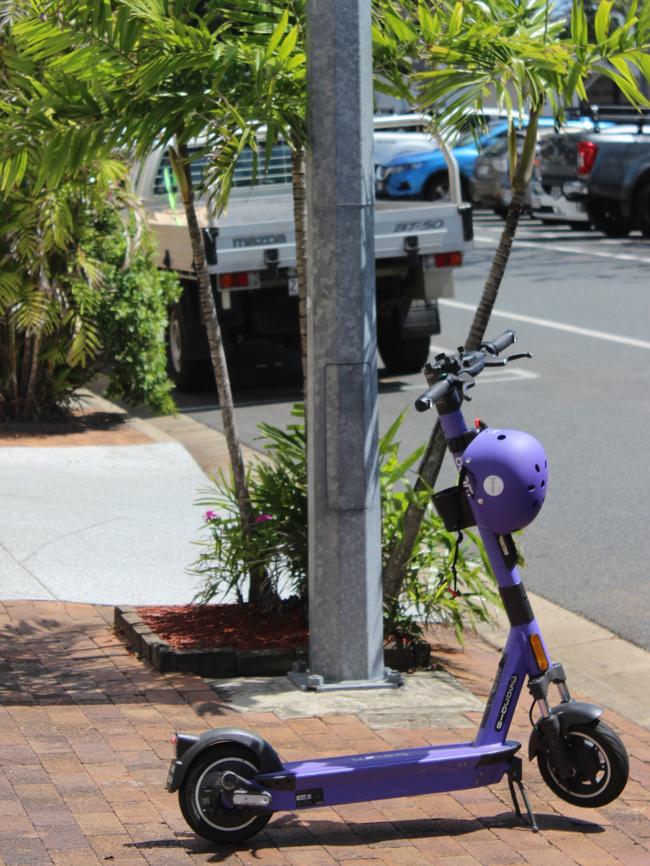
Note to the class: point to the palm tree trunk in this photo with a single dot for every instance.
(30, 399)
(24, 371)
(300, 222)
(13, 359)
(395, 569)
(260, 591)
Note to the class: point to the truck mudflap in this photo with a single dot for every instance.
(422, 320)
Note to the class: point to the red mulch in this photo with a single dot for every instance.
(239, 627)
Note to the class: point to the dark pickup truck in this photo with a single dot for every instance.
(599, 178)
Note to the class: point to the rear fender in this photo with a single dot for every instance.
(569, 713)
(267, 757)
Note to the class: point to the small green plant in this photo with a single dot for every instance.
(278, 488)
(430, 592)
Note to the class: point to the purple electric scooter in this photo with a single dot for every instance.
(231, 781)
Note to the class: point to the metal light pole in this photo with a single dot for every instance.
(345, 593)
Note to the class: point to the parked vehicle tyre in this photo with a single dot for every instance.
(600, 764)
(606, 217)
(399, 355)
(186, 374)
(437, 188)
(201, 801)
(642, 207)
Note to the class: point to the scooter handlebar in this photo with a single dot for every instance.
(458, 370)
(493, 347)
(432, 395)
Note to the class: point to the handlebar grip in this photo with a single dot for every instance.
(500, 343)
(432, 395)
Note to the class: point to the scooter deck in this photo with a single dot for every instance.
(383, 775)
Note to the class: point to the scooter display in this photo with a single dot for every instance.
(231, 781)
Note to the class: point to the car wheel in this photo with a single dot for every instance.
(607, 218)
(437, 188)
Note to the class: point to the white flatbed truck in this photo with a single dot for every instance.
(252, 263)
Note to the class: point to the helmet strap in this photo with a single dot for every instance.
(459, 536)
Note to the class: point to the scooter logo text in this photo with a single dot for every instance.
(506, 701)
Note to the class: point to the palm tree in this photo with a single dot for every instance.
(133, 75)
(509, 50)
(273, 96)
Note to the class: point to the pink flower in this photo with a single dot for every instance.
(210, 515)
(262, 518)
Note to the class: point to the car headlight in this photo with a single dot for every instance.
(400, 169)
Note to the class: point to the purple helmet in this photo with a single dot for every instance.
(508, 476)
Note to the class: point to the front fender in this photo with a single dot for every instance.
(569, 713)
(266, 755)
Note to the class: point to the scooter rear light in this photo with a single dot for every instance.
(538, 651)
(587, 152)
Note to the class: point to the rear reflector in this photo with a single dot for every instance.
(538, 651)
(234, 281)
(448, 260)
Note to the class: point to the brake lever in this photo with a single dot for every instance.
(503, 361)
(466, 387)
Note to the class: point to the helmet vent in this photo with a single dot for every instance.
(501, 436)
(543, 484)
(537, 469)
(531, 486)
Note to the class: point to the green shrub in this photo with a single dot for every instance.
(132, 315)
(278, 489)
(79, 292)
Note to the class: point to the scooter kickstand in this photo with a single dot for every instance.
(515, 778)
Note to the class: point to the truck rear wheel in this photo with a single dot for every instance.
(642, 202)
(186, 374)
(606, 217)
(400, 355)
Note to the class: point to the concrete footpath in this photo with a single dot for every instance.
(85, 725)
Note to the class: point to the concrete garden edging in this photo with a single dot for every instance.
(226, 662)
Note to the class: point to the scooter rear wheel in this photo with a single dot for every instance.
(201, 801)
(600, 764)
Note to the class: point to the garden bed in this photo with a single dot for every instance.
(232, 640)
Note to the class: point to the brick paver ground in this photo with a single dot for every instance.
(85, 744)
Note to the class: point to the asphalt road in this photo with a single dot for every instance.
(579, 303)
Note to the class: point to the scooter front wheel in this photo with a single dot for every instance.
(599, 765)
(201, 801)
